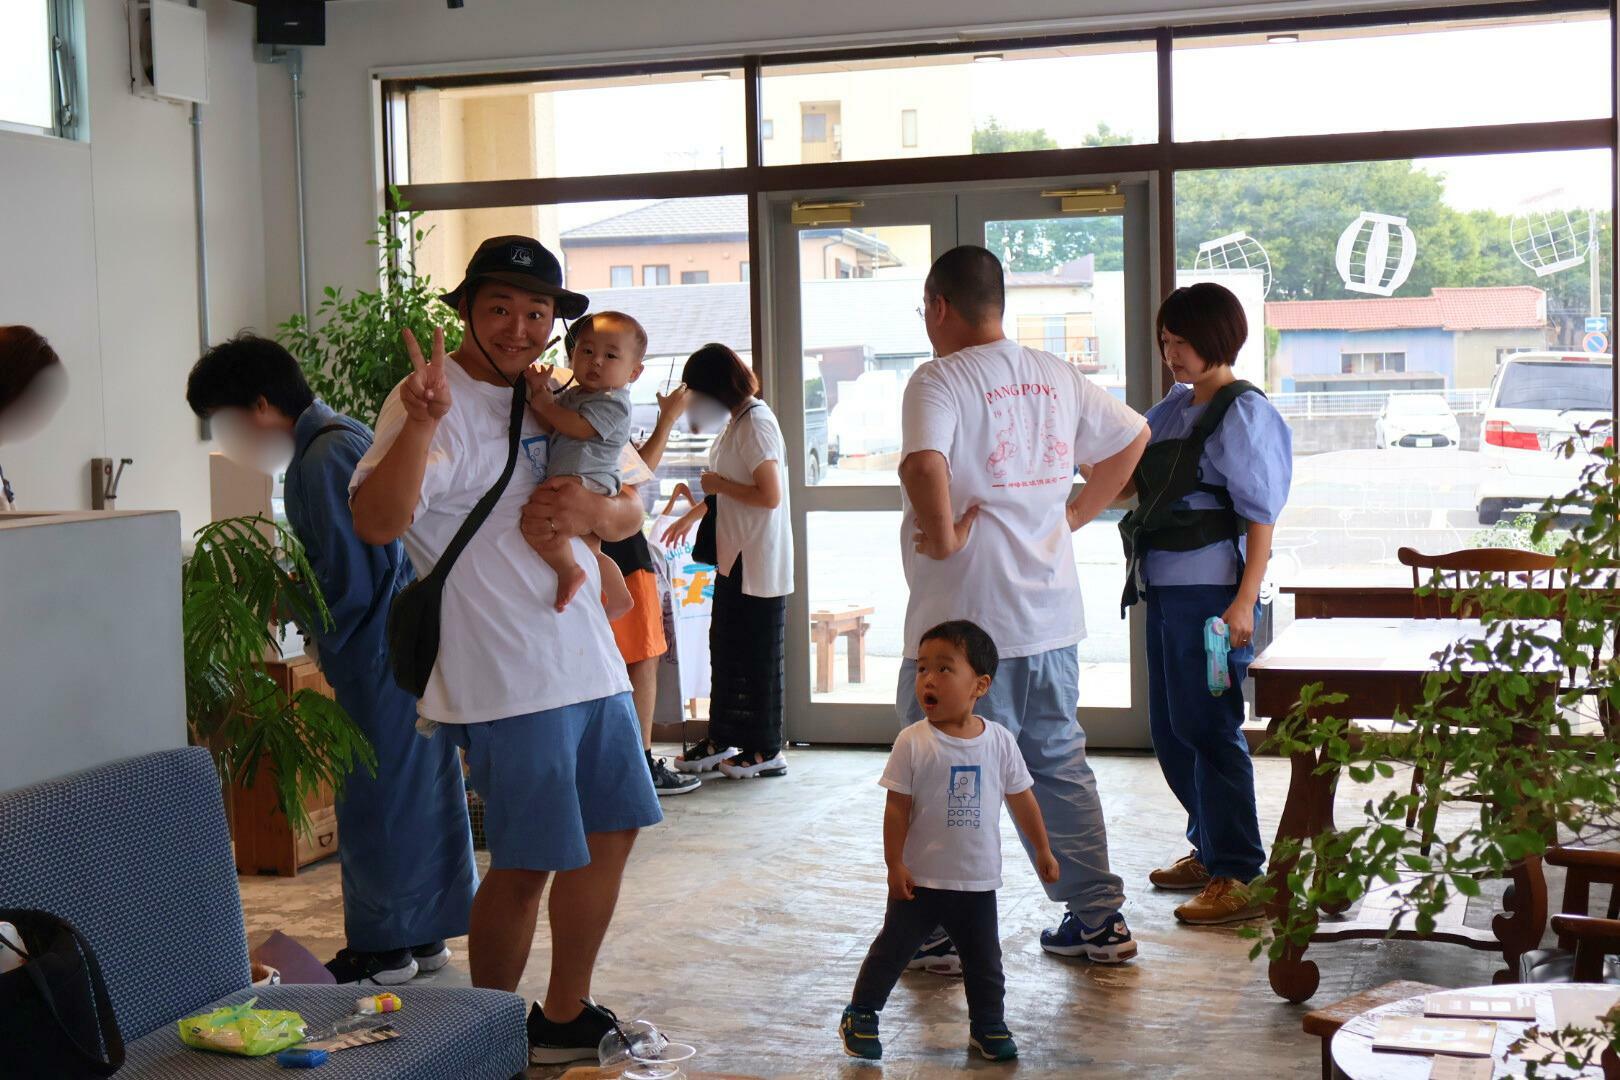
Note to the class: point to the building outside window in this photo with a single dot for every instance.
(655, 275)
(694, 277)
(1372, 363)
(908, 128)
(622, 277)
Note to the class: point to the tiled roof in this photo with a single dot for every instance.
(712, 216)
(1507, 307)
(1075, 272)
(679, 318)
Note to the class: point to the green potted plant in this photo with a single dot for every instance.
(351, 351)
(244, 582)
(1488, 732)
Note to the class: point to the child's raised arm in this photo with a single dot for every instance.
(1026, 814)
(896, 823)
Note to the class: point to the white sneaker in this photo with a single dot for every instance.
(772, 766)
(703, 757)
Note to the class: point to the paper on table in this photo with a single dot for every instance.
(1421, 1035)
(1583, 1008)
(1481, 1006)
(1459, 1068)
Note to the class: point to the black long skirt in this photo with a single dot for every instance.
(747, 655)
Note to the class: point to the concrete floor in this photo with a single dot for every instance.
(746, 914)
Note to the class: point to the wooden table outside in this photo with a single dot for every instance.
(1323, 599)
(827, 625)
(1355, 1059)
(1379, 665)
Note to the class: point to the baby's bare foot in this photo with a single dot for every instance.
(568, 584)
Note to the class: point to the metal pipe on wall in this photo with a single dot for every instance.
(295, 69)
(204, 331)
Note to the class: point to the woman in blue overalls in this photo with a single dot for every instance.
(1209, 490)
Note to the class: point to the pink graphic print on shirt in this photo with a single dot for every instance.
(1028, 450)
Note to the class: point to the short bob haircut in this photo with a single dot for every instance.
(718, 372)
(1209, 318)
(24, 354)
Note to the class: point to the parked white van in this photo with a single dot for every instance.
(1539, 402)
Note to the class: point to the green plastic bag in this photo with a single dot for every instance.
(242, 1029)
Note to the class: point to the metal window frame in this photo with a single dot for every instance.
(1164, 157)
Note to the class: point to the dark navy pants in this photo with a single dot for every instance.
(1197, 736)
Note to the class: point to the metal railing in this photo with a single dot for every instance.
(1370, 402)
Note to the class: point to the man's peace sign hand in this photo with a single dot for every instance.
(425, 393)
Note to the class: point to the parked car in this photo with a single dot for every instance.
(1416, 420)
(1539, 402)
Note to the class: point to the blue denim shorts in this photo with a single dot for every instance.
(549, 779)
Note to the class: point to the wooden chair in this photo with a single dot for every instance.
(1587, 944)
(1453, 572)
(1326, 1021)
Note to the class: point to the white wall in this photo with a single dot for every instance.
(362, 35)
(110, 273)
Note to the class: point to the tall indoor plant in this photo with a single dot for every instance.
(351, 351)
(245, 581)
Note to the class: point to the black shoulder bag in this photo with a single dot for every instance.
(413, 622)
(55, 1017)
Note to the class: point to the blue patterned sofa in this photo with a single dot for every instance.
(137, 855)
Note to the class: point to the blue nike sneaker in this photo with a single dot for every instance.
(858, 1029)
(937, 955)
(993, 1041)
(1110, 943)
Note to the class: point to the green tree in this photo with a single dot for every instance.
(995, 139)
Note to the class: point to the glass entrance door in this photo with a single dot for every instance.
(848, 333)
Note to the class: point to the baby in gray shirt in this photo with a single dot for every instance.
(589, 423)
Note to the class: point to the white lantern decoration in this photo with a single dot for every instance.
(1548, 241)
(1376, 254)
(1236, 251)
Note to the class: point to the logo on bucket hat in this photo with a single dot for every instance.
(525, 263)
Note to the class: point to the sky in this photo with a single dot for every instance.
(25, 89)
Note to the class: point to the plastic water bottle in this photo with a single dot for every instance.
(1217, 643)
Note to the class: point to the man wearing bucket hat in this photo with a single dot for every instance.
(536, 697)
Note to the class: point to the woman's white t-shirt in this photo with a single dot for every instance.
(763, 537)
(1013, 423)
(957, 787)
(503, 648)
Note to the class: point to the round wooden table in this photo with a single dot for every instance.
(1355, 1059)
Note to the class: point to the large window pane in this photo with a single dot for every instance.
(1433, 331)
(582, 127)
(25, 63)
(678, 318)
(1037, 99)
(1319, 82)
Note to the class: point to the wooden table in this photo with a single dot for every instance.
(1355, 1059)
(1380, 666)
(1338, 599)
(827, 625)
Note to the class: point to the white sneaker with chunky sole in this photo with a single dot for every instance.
(772, 766)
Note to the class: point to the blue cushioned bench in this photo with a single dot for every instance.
(137, 855)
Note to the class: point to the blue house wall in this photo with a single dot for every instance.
(1319, 352)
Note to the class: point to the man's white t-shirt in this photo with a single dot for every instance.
(957, 787)
(1013, 423)
(503, 648)
(764, 538)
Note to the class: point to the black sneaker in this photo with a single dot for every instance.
(431, 957)
(383, 969)
(993, 1041)
(667, 781)
(551, 1043)
(858, 1031)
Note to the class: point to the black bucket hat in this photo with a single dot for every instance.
(524, 262)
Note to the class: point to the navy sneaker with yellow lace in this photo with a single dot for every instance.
(858, 1029)
(993, 1041)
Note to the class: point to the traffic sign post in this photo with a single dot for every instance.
(1597, 324)
(1595, 342)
